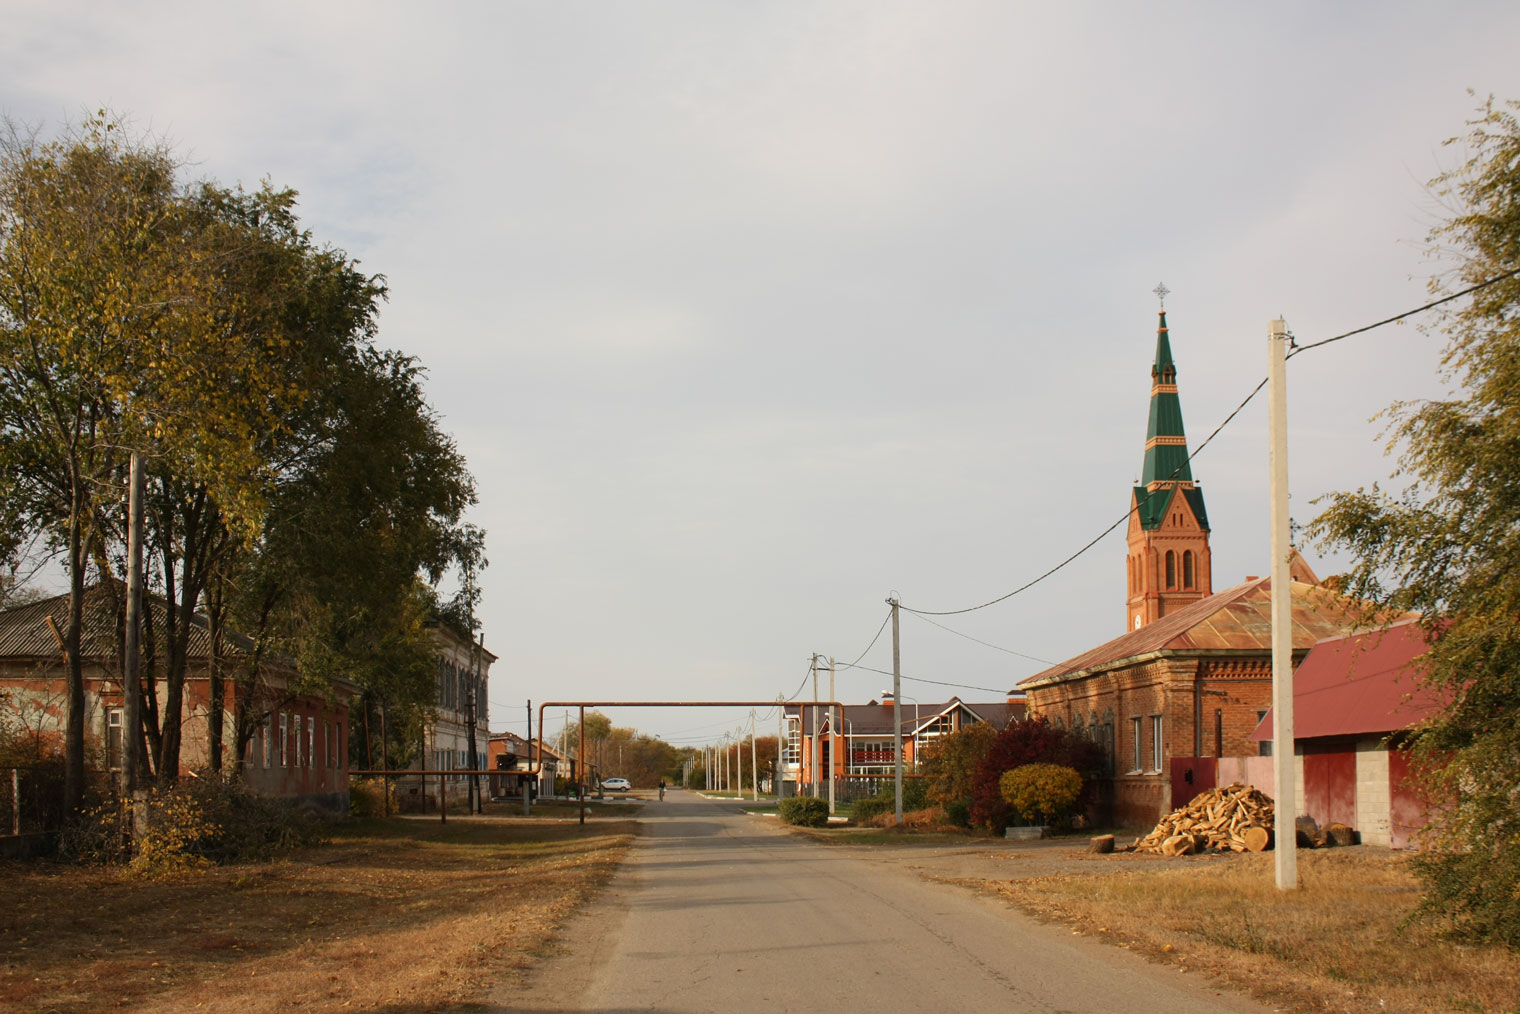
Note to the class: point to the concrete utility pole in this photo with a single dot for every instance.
(1283, 761)
(739, 756)
(897, 710)
(833, 737)
(780, 745)
(527, 786)
(815, 757)
(754, 759)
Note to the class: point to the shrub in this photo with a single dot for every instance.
(193, 824)
(958, 812)
(950, 763)
(1041, 792)
(805, 811)
(885, 800)
(1032, 741)
(366, 796)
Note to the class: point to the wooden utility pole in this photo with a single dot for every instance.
(1285, 803)
(131, 719)
(580, 771)
(473, 792)
(527, 786)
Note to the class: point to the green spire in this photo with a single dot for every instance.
(1166, 454)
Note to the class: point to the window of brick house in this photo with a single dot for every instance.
(1156, 757)
(311, 741)
(1136, 752)
(339, 754)
(1171, 569)
(284, 739)
(295, 731)
(1264, 748)
(1188, 578)
(113, 739)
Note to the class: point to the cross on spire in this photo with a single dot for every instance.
(1162, 292)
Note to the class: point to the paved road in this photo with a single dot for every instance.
(719, 911)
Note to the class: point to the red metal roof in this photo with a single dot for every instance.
(1360, 684)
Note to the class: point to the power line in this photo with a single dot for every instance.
(1228, 419)
(1409, 313)
(938, 683)
(987, 644)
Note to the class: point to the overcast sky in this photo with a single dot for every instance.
(747, 315)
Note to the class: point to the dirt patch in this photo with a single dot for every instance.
(401, 915)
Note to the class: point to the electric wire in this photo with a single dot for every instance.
(1408, 313)
(1227, 420)
(938, 683)
(987, 644)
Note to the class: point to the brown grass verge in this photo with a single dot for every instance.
(398, 916)
(1342, 942)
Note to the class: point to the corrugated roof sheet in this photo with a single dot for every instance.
(24, 630)
(1234, 620)
(875, 718)
(1360, 684)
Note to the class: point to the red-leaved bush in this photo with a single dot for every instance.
(1032, 741)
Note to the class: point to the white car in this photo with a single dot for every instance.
(616, 784)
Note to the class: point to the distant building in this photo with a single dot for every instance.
(460, 690)
(856, 746)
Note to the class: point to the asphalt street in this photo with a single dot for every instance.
(716, 910)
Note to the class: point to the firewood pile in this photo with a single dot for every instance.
(1236, 818)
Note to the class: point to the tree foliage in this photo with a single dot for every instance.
(1448, 544)
(300, 486)
(1032, 741)
(950, 763)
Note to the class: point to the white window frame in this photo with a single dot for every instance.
(1156, 743)
(311, 741)
(1137, 752)
(284, 740)
(115, 720)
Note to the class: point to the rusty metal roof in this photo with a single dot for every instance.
(1360, 684)
(1236, 620)
(24, 630)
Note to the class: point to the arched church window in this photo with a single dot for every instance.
(1187, 569)
(1171, 569)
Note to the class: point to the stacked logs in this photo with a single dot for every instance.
(1236, 818)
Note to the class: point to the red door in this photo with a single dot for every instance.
(1330, 783)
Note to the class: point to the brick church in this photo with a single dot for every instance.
(1191, 676)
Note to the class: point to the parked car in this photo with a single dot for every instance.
(616, 784)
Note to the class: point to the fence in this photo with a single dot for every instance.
(31, 799)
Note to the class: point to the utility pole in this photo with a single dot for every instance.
(527, 786)
(754, 759)
(473, 800)
(833, 736)
(780, 745)
(1285, 805)
(739, 756)
(131, 719)
(897, 766)
(815, 749)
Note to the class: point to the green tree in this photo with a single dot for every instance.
(951, 763)
(1448, 545)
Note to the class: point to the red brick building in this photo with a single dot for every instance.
(298, 747)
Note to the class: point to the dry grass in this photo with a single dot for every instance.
(1340, 943)
(399, 916)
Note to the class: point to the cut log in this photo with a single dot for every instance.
(1341, 834)
(1256, 839)
(1102, 844)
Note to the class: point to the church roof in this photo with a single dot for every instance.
(1236, 621)
(1166, 453)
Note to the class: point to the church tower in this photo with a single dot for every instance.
(1168, 564)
